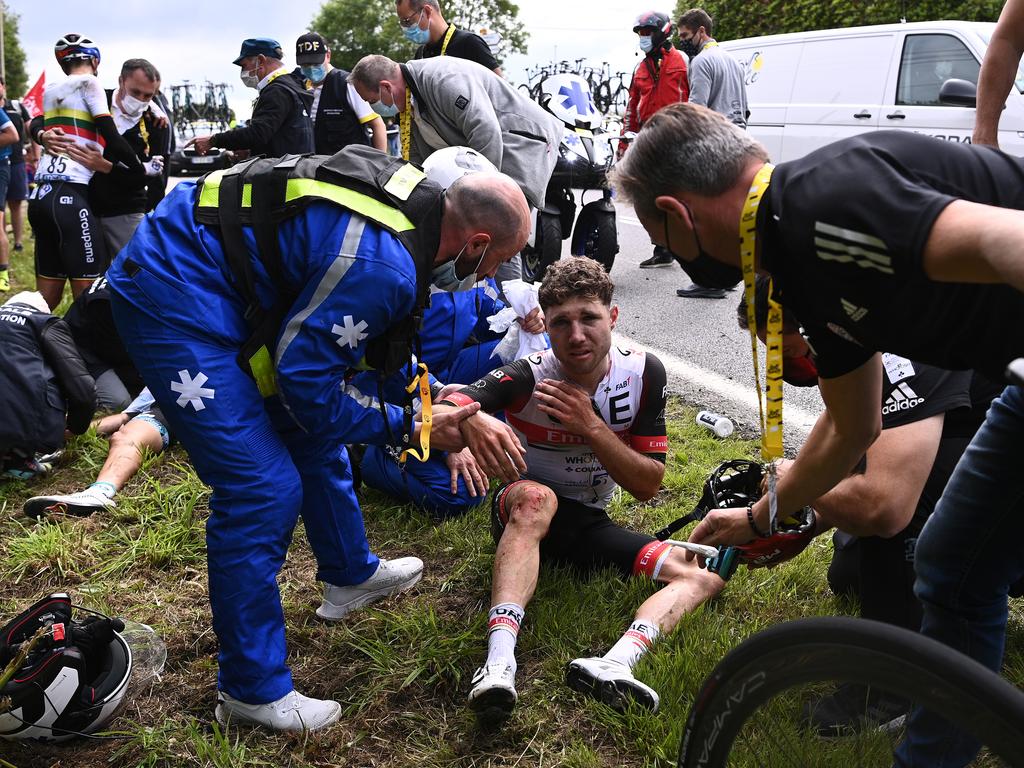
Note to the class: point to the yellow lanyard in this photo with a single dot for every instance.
(145, 135)
(770, 404)
(447, 38)
(426, 417)
(405, 124)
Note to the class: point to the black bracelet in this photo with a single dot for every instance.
(753, 526)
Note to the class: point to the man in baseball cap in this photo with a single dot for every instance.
(340, 115)
(280, 123)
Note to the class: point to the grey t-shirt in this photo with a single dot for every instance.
(716, 82)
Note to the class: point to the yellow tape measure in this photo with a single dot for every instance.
(770, 405)
(422, 380)
(405, 124)
(447, 39)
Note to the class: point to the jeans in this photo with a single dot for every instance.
(968, 555)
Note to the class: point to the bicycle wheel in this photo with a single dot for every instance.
(758, 705)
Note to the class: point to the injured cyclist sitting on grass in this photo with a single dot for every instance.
(593, 418)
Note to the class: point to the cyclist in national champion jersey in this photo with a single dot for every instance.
(69, 240)
(592, 417)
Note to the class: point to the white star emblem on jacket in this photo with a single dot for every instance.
(349, 332)
(191, 391)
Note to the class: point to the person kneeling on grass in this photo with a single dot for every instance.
(141, 426)
(593, 418)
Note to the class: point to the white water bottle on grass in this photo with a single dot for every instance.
(720, 425)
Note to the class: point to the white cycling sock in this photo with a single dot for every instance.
(502, 632)
(635, 643)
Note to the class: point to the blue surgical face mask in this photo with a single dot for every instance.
(416, 35)
(382, 109)
(646, 43)
(444, 277)
(314, 74)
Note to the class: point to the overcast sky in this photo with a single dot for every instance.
(197, 41)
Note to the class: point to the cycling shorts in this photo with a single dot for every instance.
(69, 237)
(584, 537)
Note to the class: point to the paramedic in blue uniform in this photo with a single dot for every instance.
(344, 257)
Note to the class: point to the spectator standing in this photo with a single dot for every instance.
(340, 115)
(119, 195)
(17, 187)
(658, 80)
(716, 82)
(422, 23)
(280, 123)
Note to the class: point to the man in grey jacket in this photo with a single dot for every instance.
(445, 102)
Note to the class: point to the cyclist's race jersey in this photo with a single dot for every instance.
(630, 399)
(73, 106)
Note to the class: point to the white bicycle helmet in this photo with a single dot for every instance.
(73, 680)
(446, 165)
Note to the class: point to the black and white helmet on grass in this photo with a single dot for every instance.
(73, 679)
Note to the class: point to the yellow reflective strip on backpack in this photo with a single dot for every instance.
(209, 194)
(247, 195)
(357, 202)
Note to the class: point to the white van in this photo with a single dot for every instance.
(808, 89)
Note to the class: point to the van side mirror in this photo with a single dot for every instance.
(958, 93)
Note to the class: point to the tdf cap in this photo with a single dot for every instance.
(310, 49)
(256, 46)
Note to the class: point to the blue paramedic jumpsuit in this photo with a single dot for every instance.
(182, 322)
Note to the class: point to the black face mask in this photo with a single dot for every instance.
(689, 47)
(705, 270)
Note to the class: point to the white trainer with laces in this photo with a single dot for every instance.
(390, 578)
(493, 695)
(292, 712)
(82, 504)
(611, 683)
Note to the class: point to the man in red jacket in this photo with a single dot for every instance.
(659, 80)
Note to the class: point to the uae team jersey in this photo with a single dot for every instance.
(630, 399)
(73, 106)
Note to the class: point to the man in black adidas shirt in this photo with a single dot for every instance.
(422, 23)
(888, 240)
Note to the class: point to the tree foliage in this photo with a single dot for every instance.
(14, 56)
(355, 28)
(749, 18)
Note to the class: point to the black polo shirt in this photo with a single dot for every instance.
(842, 232)
(463, 45)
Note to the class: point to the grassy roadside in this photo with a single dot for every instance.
(401, 669)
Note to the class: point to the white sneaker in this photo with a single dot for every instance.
(82, 504)
(391, 577)
(493, 694)
(292, 712)
(611, 683)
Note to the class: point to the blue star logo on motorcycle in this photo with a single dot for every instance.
(577, 98)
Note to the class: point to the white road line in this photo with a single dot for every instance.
(797, 421)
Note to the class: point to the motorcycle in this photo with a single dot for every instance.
(585, 157)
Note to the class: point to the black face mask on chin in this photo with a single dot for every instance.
(705, 270)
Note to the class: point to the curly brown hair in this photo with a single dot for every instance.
(572, 278)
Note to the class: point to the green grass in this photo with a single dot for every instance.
(401, 670)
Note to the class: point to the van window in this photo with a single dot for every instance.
(824, 76)
(929, 61)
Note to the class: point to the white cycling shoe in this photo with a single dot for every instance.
(81, 504)
(493, 695)
(611, 683)
(390, 578)
(292, 712)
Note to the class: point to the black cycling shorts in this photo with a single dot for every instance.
(579, 536)
(69, 237)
